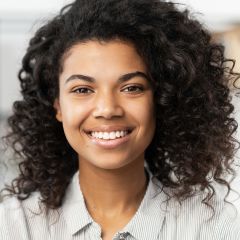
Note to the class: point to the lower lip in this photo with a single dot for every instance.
(110, 144)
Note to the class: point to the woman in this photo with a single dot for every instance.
(124, 129)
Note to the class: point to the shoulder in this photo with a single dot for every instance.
(14, 212)
(10, 208)
(227, 223)
(220, 220)
(13, 205)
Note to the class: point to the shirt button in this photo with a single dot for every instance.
(123, 236)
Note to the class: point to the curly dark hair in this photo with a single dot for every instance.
(193, 143)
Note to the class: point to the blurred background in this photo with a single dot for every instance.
(20, 19)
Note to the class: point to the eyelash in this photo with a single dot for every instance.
(140, 89)
(78, 89)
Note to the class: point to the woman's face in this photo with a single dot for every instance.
(106, 103)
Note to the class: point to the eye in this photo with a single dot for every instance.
(82, 90)
(133, 88)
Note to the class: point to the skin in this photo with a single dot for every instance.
(113, 180)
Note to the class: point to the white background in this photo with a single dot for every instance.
(215, 12)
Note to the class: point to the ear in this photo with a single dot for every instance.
(57, 107)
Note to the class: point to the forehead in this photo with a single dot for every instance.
(98, 54)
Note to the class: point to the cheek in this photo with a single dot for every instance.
(73, 115)
(143, 111)
(148, 118)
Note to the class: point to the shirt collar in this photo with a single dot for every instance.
(74, 209)
(148, 221)
(145, 224)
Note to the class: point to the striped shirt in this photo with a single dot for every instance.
(155, 219)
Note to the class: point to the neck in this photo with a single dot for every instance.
(115, 191)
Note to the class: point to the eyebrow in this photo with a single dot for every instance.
(121, 79)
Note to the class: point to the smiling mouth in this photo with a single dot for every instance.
(107, 136)
(110, 140)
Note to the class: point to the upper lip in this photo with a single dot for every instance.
(106, 128)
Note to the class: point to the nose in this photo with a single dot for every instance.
(107, 106)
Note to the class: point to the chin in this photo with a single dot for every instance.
(108, 163)
(110, 166)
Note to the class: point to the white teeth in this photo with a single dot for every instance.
(106, 135)
(109, 135)
(112, 135)
(99, 135)
(118, 134)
